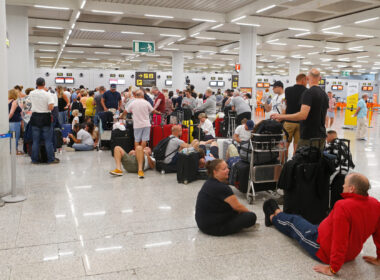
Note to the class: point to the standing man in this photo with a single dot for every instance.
(159, 101)
(209, 106)
(98, 102)
(313, 112)
(41, 121)
(361, 113)
(293, 96)
(243, 110)
(111, 99)
(277, 104)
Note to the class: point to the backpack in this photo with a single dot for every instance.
(340, 148)
(160, 150)
(270, 127)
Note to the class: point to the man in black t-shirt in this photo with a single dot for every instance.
(312, 114)
(293, 97)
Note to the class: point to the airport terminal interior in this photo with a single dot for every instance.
(104, 104)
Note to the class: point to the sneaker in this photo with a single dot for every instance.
(140, 174)
(54, 161)
(270, 206)
(69, 149)
(116, 172)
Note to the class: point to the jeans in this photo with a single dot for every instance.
(16, 127)
(298, 228)
(82, 147)
(62, 117)
(47, 136)
(233, 225)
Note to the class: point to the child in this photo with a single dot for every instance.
(75, 119)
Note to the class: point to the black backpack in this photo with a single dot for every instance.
(160, 150)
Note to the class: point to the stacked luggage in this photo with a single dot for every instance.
(123, 138)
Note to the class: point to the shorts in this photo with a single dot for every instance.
(130, 164)
(232, 151)
(293, 130)
(330, 114)
(142, 134)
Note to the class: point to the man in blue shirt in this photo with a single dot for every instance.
(111, 99)
(361, 113)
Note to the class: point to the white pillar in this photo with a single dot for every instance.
(247, 60)
(5, 176)
(31, 77)
(294, 70)
(178, 74)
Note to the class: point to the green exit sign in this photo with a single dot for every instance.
(345, 73)
(143, 47)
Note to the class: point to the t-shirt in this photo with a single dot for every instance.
(68, 95)
(111, 99)
(314, 125)
(244, 134)
(363, 109)
(98, 103)
(293, 96)
(210, 208)
(90, 111)
(161, 107)
(207, 126)
(146, 162)
(55, 98)
(278, 105)
(189, 103)
(85, 137)
(172, 146)
(241, 106)
(332, 102)
(140, 109)
(75, 120)
(40, 100)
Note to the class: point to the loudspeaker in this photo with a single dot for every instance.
(81, 75)
(47, 74)
(132, 76)
(101, 75)
(159, 77)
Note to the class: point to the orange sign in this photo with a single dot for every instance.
(259, 85)
(237, 67)
(266, 85)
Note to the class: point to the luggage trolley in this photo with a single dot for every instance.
(267, 159)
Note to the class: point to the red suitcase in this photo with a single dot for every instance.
(185, 135)
(159, 132)
(218, 123)
(168, 130)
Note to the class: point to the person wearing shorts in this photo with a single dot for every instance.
(136, 161)
(330, 111)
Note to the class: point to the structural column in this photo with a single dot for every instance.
(18, 52)
(5, 177)
(178, 74)
(247, 60)
(294, 70)
(31, 77)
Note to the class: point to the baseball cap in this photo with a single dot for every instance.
(278, 84)
(250, 124)
(113, 85)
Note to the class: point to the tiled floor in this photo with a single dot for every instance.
(80, 223)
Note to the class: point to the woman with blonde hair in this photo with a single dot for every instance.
(83, 98)
(63, 105)
(15, 118)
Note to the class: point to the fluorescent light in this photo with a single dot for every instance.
(94, 213)
(49, 27)
(47, 43)
(157, 16)
(136, 60)
(170, 35)
(46, 56)
(205, 38)
(69, 57)
(108, 248)
(332, 32)
(238, 18)
(102, 53)
(51, 7)
(206, 51)
(333, 27)
(271, 41)
(248, 24)
(179, 40)
(195, 34)
(311, 53)
(298, 29)
(362, 61)
(302, 34)
(217, 26)
(92, 30)
(80, 44)
(72, 26)
(201, 19)
(364, 36)
(277, 56)
(113, 46)
(171, 43)
(83, 3)
(305, 46)
(266, 8)
(366, 20)
(132, 32)
(169, 49)
(77, 16)
(42, 50)
(278, 44)
(127, 53)
(150, 245)
(75, 51)
(107, 12)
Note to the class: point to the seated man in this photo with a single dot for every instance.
(83, 140)
(340, 237)
(244, 131)
(174, 146)
(207, 155)
(136, 161)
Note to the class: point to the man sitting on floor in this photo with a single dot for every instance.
(136, 161)
(340, 237)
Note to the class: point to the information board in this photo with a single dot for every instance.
(235, 81)
(145, 79)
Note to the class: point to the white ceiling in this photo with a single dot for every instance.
(95, 38)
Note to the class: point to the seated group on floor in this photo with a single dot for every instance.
(326, 208)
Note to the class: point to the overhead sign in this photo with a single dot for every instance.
(345, 73)
(144, 47)
(235, 81)
(145, 79)
(237, 67)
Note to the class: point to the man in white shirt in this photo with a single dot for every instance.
(41, 122)
(277, 105)
(244, 131)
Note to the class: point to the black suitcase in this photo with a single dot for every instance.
(165, 168)
(239, 176)
(59, 138)
(122, 138)
(187, 167)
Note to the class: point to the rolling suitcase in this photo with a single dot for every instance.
(123, 139)
(156, 134)
(187, 167)
(239, 176)
(66, 129)
(218, 130)
(185, 135)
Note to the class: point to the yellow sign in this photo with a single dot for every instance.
(146, 76)
(151, 76)
(352, 102)
(139, 82)
(234, 84)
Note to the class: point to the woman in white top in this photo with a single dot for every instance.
(206, 126)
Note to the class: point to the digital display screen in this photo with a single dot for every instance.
(113, 81)
(60, 74)
(168, 83)
(220, 84)
(367, 88)
(220, 78)
(69, 74)
(121, 75)
(334, 87)
(213, 84)
(121, 82)
(260, 85)
(113, 75)
(340, 87)
(266, 85)
(59, 80)
(69, 80)
(213, 79)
